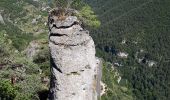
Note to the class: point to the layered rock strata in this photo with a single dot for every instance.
(74, 67)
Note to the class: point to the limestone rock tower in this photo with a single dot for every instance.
(74, 67)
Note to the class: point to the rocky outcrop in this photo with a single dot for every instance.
(1, 19)
(32, 49)
(74, 67)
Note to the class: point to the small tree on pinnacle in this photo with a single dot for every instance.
(84, 11)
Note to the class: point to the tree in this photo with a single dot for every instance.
(85, 12)
(7, 90)
(87, 15)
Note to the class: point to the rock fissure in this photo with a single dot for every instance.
(64, 27)
(55, 67)
(73, 73)
(57, 34)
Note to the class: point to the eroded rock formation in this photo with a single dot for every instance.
(74, 66)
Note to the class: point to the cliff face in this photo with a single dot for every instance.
(74, 67)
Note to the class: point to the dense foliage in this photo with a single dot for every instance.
(141, 29)
(20, 77)
(114, 89)
(8, 92)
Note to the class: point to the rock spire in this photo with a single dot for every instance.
(74, 67)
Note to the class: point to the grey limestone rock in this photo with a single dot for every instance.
(1, 19)
(74, 67)
(32, 49)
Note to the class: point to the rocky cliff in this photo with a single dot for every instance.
(75, 71)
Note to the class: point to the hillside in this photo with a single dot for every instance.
(135, 36)
(24, 60)
(23, 20)
(24, 55)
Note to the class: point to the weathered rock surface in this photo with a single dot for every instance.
(1, 19)
(74, 66)
(32, 49)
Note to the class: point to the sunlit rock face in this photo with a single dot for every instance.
(74, 67)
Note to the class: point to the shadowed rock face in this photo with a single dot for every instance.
(73, 63)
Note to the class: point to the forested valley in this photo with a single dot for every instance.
(133, 40)
(135, 37)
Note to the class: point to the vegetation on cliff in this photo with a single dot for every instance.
(133, 37)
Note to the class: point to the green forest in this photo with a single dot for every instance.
(131, 36)
(140, 28)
